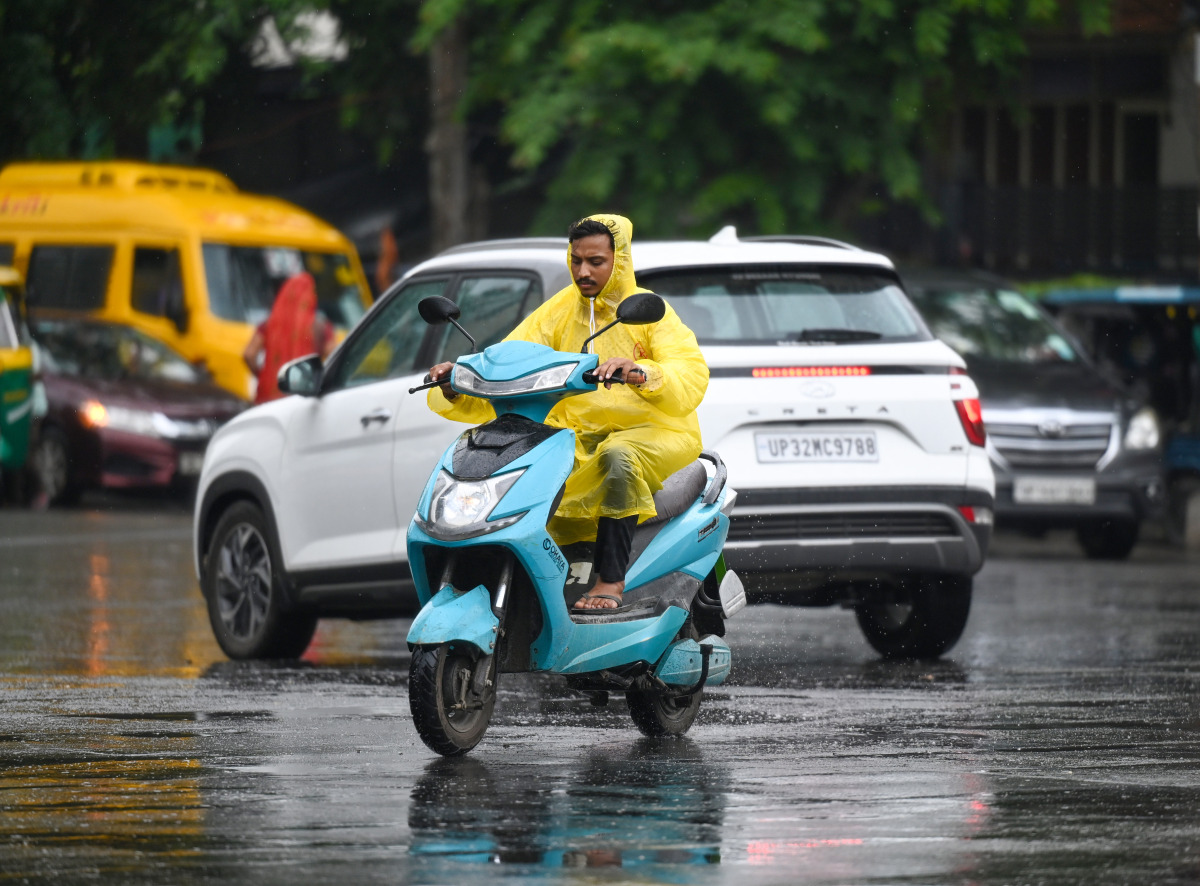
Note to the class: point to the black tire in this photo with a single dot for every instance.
(1108, 539)
(437, 679)
(925, 624)
(242, 583)
(52, 468)
(657, 713)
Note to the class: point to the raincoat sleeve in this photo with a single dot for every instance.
(464, 407)
(676, 373)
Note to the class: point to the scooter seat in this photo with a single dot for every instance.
(678, 492)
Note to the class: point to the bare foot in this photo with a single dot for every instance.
(596, 597)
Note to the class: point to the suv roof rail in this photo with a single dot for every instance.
(808, 239)
(509, 243)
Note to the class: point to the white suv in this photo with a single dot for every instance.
(852, 435)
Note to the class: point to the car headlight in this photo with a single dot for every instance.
(95, 414)
(461, 508)
(1143, 432)
(469, 382)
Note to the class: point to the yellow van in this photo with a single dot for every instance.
(176, 252)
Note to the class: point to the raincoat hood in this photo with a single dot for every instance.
(622, 282)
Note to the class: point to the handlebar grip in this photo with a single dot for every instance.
(592, 379)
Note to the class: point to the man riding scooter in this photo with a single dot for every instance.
(629, 438)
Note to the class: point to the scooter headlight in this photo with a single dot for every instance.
(460, 508)
(469, 382)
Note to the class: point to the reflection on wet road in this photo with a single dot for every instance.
(1058, 743)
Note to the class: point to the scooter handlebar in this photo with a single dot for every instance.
(618, 377)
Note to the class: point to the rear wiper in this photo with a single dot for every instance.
(834, 335)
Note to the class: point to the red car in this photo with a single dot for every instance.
(123, 411)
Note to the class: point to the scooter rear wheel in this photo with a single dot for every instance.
(448, 717)
(657, 713)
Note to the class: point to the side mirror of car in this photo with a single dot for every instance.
(641, 308)
(301, 376)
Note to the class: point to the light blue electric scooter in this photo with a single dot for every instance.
(494, 586)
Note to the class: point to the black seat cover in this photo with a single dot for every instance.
(678, 492)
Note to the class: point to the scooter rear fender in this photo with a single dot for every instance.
(455, 617)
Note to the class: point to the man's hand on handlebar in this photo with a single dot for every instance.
(629, 372)
(443, 371)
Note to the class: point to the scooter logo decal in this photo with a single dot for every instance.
(549, 547)
(706, 530)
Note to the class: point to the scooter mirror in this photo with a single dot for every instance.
(640, 308)
(437, 309)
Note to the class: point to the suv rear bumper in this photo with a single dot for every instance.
(856, 532)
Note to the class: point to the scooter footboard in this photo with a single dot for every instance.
(453, 616)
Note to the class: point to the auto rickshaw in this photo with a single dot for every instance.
(16, 381)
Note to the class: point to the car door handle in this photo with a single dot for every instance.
(380, 415)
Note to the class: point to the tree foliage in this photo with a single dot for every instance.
(776, 114)
(90, 78)
(684, 114)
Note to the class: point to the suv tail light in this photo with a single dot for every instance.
(970, 413)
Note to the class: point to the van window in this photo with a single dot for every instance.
(73, 277)
(157, 283)
(491, 307)
(243, 281)
(7, 251)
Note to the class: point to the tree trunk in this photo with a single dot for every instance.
(449, 164)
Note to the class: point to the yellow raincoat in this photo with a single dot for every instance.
(627, 439)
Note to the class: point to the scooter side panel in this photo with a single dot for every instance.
(596, 647)
(451, 617)
(690, 543)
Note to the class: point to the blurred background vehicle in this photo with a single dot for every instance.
(16, 382)
(1148, 337)
(1071, 445)
(124, 411)
(178, 253)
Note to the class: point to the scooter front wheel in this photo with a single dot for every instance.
(451, 705)
(656, 712)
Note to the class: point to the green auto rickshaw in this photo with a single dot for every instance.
(16, 380)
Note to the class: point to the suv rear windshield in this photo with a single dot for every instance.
(996, 324)
(788, 304)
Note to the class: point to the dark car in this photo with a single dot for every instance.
(1070, 445)
(123, 411)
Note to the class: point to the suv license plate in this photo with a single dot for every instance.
(190, 463)
(1054, 490)
(817, 446)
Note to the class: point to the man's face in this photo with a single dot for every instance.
(591, 263)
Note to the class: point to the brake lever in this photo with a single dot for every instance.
(428, 384)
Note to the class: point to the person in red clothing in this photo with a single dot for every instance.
(293, 329)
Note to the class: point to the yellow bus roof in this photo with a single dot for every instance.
(145, 196)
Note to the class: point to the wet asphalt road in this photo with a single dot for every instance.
(1059, 742)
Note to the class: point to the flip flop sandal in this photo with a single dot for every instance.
(620, 607)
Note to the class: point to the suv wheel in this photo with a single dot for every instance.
(243, 587)
(924, 624)
(1108, 539)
